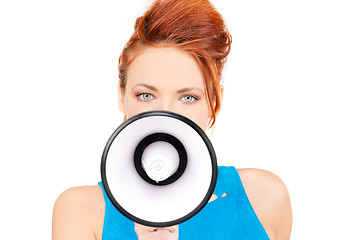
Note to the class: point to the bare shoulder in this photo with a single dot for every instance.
(264, 183)
(79, 214)
(270, 199)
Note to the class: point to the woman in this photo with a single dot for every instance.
(173, 61)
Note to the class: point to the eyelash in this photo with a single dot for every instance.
(140, 95)
(192, 96)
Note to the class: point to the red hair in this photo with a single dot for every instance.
(194, 26)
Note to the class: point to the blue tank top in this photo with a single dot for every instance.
(230, 216)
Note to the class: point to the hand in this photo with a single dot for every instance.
(152, 233)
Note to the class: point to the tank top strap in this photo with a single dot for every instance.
(228, 181)
(106, 199)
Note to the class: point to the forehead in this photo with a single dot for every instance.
(164, 66)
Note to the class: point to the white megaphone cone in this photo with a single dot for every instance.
(159, 168)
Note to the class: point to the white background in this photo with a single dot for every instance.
(58, 103)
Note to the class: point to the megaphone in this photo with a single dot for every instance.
(159, 168)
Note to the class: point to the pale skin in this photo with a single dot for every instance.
(168, 79)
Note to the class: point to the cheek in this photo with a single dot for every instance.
(203, 115)
(200, 117)
(132, 108)
(202, 122)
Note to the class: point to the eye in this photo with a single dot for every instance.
(189, 99)
(144, 96)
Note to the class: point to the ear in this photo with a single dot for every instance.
(121, 99)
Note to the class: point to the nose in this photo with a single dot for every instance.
(167, 106)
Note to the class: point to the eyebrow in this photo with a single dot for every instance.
(190, 89)
(183, 90)
(146, 86)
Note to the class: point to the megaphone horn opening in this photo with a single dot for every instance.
(158, 170)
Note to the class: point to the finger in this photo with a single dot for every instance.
(171, 229)
(140, 228)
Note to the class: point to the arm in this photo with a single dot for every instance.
(76, 214)
(79, 214)
(270, 200)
